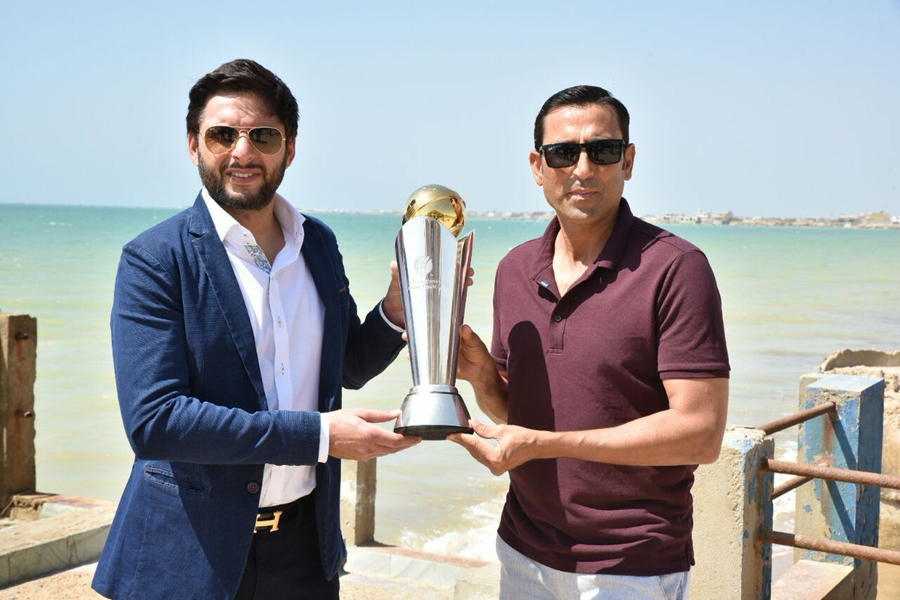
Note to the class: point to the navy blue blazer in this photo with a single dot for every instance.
(196, 416)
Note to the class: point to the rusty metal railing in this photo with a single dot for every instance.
(797, 418)
(832, 473)
(794, 482)
(805, 473)
(891, 557)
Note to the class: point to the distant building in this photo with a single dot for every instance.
(876, 218)
(722, 218)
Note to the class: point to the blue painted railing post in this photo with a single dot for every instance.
(849, 439)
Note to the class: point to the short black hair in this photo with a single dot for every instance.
(244, 75)
(580, 95)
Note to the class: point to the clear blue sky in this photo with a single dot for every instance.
(764, 108)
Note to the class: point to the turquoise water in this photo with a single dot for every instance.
(791, 296)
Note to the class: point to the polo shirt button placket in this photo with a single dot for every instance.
(556, 331)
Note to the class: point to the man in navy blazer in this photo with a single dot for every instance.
(233, 331)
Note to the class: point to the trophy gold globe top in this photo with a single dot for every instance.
(440, 203)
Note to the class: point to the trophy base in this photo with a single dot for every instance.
(433, 415)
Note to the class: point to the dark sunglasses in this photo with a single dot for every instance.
(600, 152)
(222, 138)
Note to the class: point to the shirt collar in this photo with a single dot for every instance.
(227, 228)
(608, 258)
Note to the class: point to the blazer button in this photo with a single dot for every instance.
(253, 487)
(557, 318)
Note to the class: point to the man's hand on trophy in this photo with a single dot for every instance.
(392, 305)
(475, 364)
(514, 445)
(471, 277)
(354, 436)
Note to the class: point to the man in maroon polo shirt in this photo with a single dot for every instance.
(607, 376)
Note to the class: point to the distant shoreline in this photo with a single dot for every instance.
(880, 220)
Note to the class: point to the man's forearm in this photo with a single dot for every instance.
(666, 438)
(688, 433)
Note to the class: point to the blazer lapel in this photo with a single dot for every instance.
(225, 285)
(318, 261)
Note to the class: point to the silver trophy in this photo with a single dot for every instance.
(434, 267)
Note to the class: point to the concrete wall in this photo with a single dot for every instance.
(731, 505)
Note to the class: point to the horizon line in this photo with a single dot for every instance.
(475, 214)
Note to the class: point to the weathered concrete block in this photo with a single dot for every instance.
(368, 561)
(33, 561)
(4, 570)
(849, 439)
(889, 531)
(479, 584)
(805, 380)
(732, 502)
(853, 358)
(37, 548)
(412, 568)
(389, 561)
(814, 580)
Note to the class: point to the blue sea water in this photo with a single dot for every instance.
(791, 296)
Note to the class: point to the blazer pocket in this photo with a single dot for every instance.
(174, 483)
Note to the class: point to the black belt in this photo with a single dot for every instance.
(272, 518)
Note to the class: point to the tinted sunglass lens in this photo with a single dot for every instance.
(220, 139)
(266, 139)
(604, 152)
(561, 155)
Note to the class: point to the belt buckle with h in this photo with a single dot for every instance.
(271, 523)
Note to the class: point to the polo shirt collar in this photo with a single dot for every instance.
(610, 255)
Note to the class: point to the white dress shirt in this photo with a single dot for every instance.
(288, 320)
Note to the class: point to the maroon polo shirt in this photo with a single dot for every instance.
(648, 309)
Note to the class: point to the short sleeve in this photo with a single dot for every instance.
(498, 349)
(689, 319)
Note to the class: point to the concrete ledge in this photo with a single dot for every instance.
(814, 580)
(438, 570)
(71, 531)
(479, 584)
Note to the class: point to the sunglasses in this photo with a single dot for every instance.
(222, 138)
(600, 152)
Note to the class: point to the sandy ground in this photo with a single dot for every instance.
(76, 585)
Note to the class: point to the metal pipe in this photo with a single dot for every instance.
(832, 473)
(795, 482)
(790, 484)
(822, 545)
(797, 417)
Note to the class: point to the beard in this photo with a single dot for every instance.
(214, 182)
